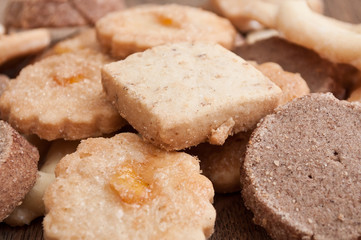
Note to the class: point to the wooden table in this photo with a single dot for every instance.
(233, 220)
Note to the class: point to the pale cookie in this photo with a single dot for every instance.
(130, 188)
(139, 28)
(222, 164)
(33, 205)
(57, 13)
(23, 43)
(2, 30)
(301, 173)
(18, 168)
(337, 41)
(61, 97)
(260, 35)
(179, 95)
(249, 15)
(291, 84)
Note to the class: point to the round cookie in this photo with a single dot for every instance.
(129, 189)
(139, 28)
(57, 13)
(18, 168)
(61, 97)
(301, 174)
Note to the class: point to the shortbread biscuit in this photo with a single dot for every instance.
(320, 74)
(23, 43)
(57, 13)
(132, 189)
(301, 175)
(247, 15)
(139, 28)
(61, 97)
(33, 205)
(18, 168)
(222, 164)
(291, 84)
(179, 95)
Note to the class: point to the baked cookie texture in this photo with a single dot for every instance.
(57, 13)
(222, 164)
(139, 28)
(320, 74)
(179, 95)
(301, 174)
(128, 189)
(18, 168)
(61, 97)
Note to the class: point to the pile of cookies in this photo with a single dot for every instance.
(138, 120)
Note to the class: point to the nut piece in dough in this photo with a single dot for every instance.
(301, 173)
(139, 28)
(33, 205)
(176, 95)
(23, 43)
(61, 97)
(18, 168)
(130, 188)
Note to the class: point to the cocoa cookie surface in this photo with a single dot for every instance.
(302, 171)
(320, 74)
(18, 168)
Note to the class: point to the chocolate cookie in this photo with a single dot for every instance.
(302, 171)
(18, 168)
(320, 74)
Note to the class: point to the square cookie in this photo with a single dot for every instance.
(179, 95)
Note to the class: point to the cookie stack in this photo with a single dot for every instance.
(155, 108)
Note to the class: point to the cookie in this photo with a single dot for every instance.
(301, 174)
(18, 168)
(249, 15)
(139, 28)
(33, 205)
(23, 43)
(130, 188)
(291, 84)
(57, 13)
(320, 74)
(61, 97)
(179, 95)
(222, 164)
(84, 40)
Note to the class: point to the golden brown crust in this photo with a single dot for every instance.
(139, 28)
(61, 97)
(18, 168)
(175, 203)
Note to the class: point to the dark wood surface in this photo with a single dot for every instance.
(233, 220)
